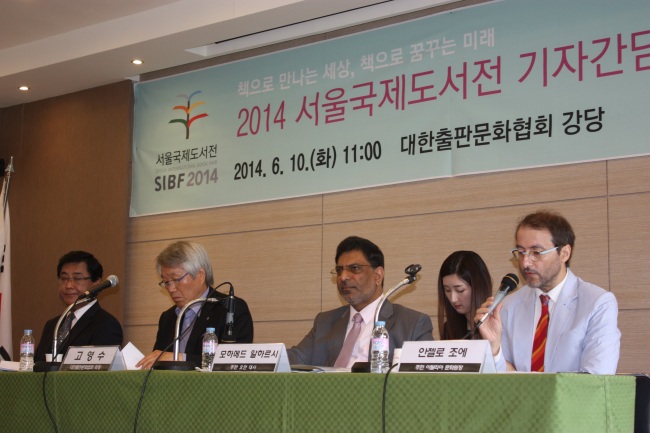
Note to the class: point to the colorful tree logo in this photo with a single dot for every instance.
(189, 119)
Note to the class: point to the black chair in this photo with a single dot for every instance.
(642, 404)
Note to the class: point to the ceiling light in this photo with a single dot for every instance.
(136, 61)
(23, 88)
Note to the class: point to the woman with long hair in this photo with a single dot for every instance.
(464, 283)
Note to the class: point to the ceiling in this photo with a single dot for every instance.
(61, 46)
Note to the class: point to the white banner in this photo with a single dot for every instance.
(499, 86)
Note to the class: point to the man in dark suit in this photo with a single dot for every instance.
(91, 325)
(187, 275)
(360, 279)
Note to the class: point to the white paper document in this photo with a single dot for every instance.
(131, 356)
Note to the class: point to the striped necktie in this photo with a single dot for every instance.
(65, 328)
(539, 343)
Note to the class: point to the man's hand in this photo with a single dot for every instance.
(146, 362)
(491, 328)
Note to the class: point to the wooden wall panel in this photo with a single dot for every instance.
(145, 300)
(142, 337)
(68, 192)
(629, 250)
(275, 271)
(491, 190)
(635, 350)
(241, 218)
(628, 175)
(288, 332)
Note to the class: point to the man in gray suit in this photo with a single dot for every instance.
(360, 279)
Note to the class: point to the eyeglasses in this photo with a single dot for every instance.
(75, 280)
(354, 269)
(534, 256)
(173, 282)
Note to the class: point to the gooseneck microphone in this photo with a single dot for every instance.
(412, 271)
(508, 284)
(111, 281)
(229, 335)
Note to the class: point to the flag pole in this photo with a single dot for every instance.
(8, 171)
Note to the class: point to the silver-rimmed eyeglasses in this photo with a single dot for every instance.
(533, 255)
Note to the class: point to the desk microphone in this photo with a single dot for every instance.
(110, 281)
(229, 335)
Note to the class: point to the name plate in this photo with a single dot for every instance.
(447, 356)
(93, 358)
(252, 357)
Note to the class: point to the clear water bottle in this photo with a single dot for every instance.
(379, 347)
(27, 351)
(209, 349)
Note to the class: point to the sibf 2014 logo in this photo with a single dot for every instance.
(188, 108)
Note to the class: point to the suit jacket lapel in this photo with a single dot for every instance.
(562, 313)
(524, 330)
(386, 314)
(200, 324)
(335, 343)
(82, 322)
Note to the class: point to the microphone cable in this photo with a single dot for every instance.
(146, 378)
(47, 406)
(43, 383)
(383, 399)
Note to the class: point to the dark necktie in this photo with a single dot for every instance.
(64, 329)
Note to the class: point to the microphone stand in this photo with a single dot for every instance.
(411, 270)
(176, 364)
(54, 365)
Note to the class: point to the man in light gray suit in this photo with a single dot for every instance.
(360, 279)
(581, 333)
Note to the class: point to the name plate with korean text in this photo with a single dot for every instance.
(252, 357)
(93, 358)
(447, 356)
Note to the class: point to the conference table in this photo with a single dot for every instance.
(315, 402)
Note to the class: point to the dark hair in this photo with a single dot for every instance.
(560, 229)
(471, 268)
(371, 252)
(94, 267)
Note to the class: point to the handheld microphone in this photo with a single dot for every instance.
(508, 283)
(229, 336)
(111, 281)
